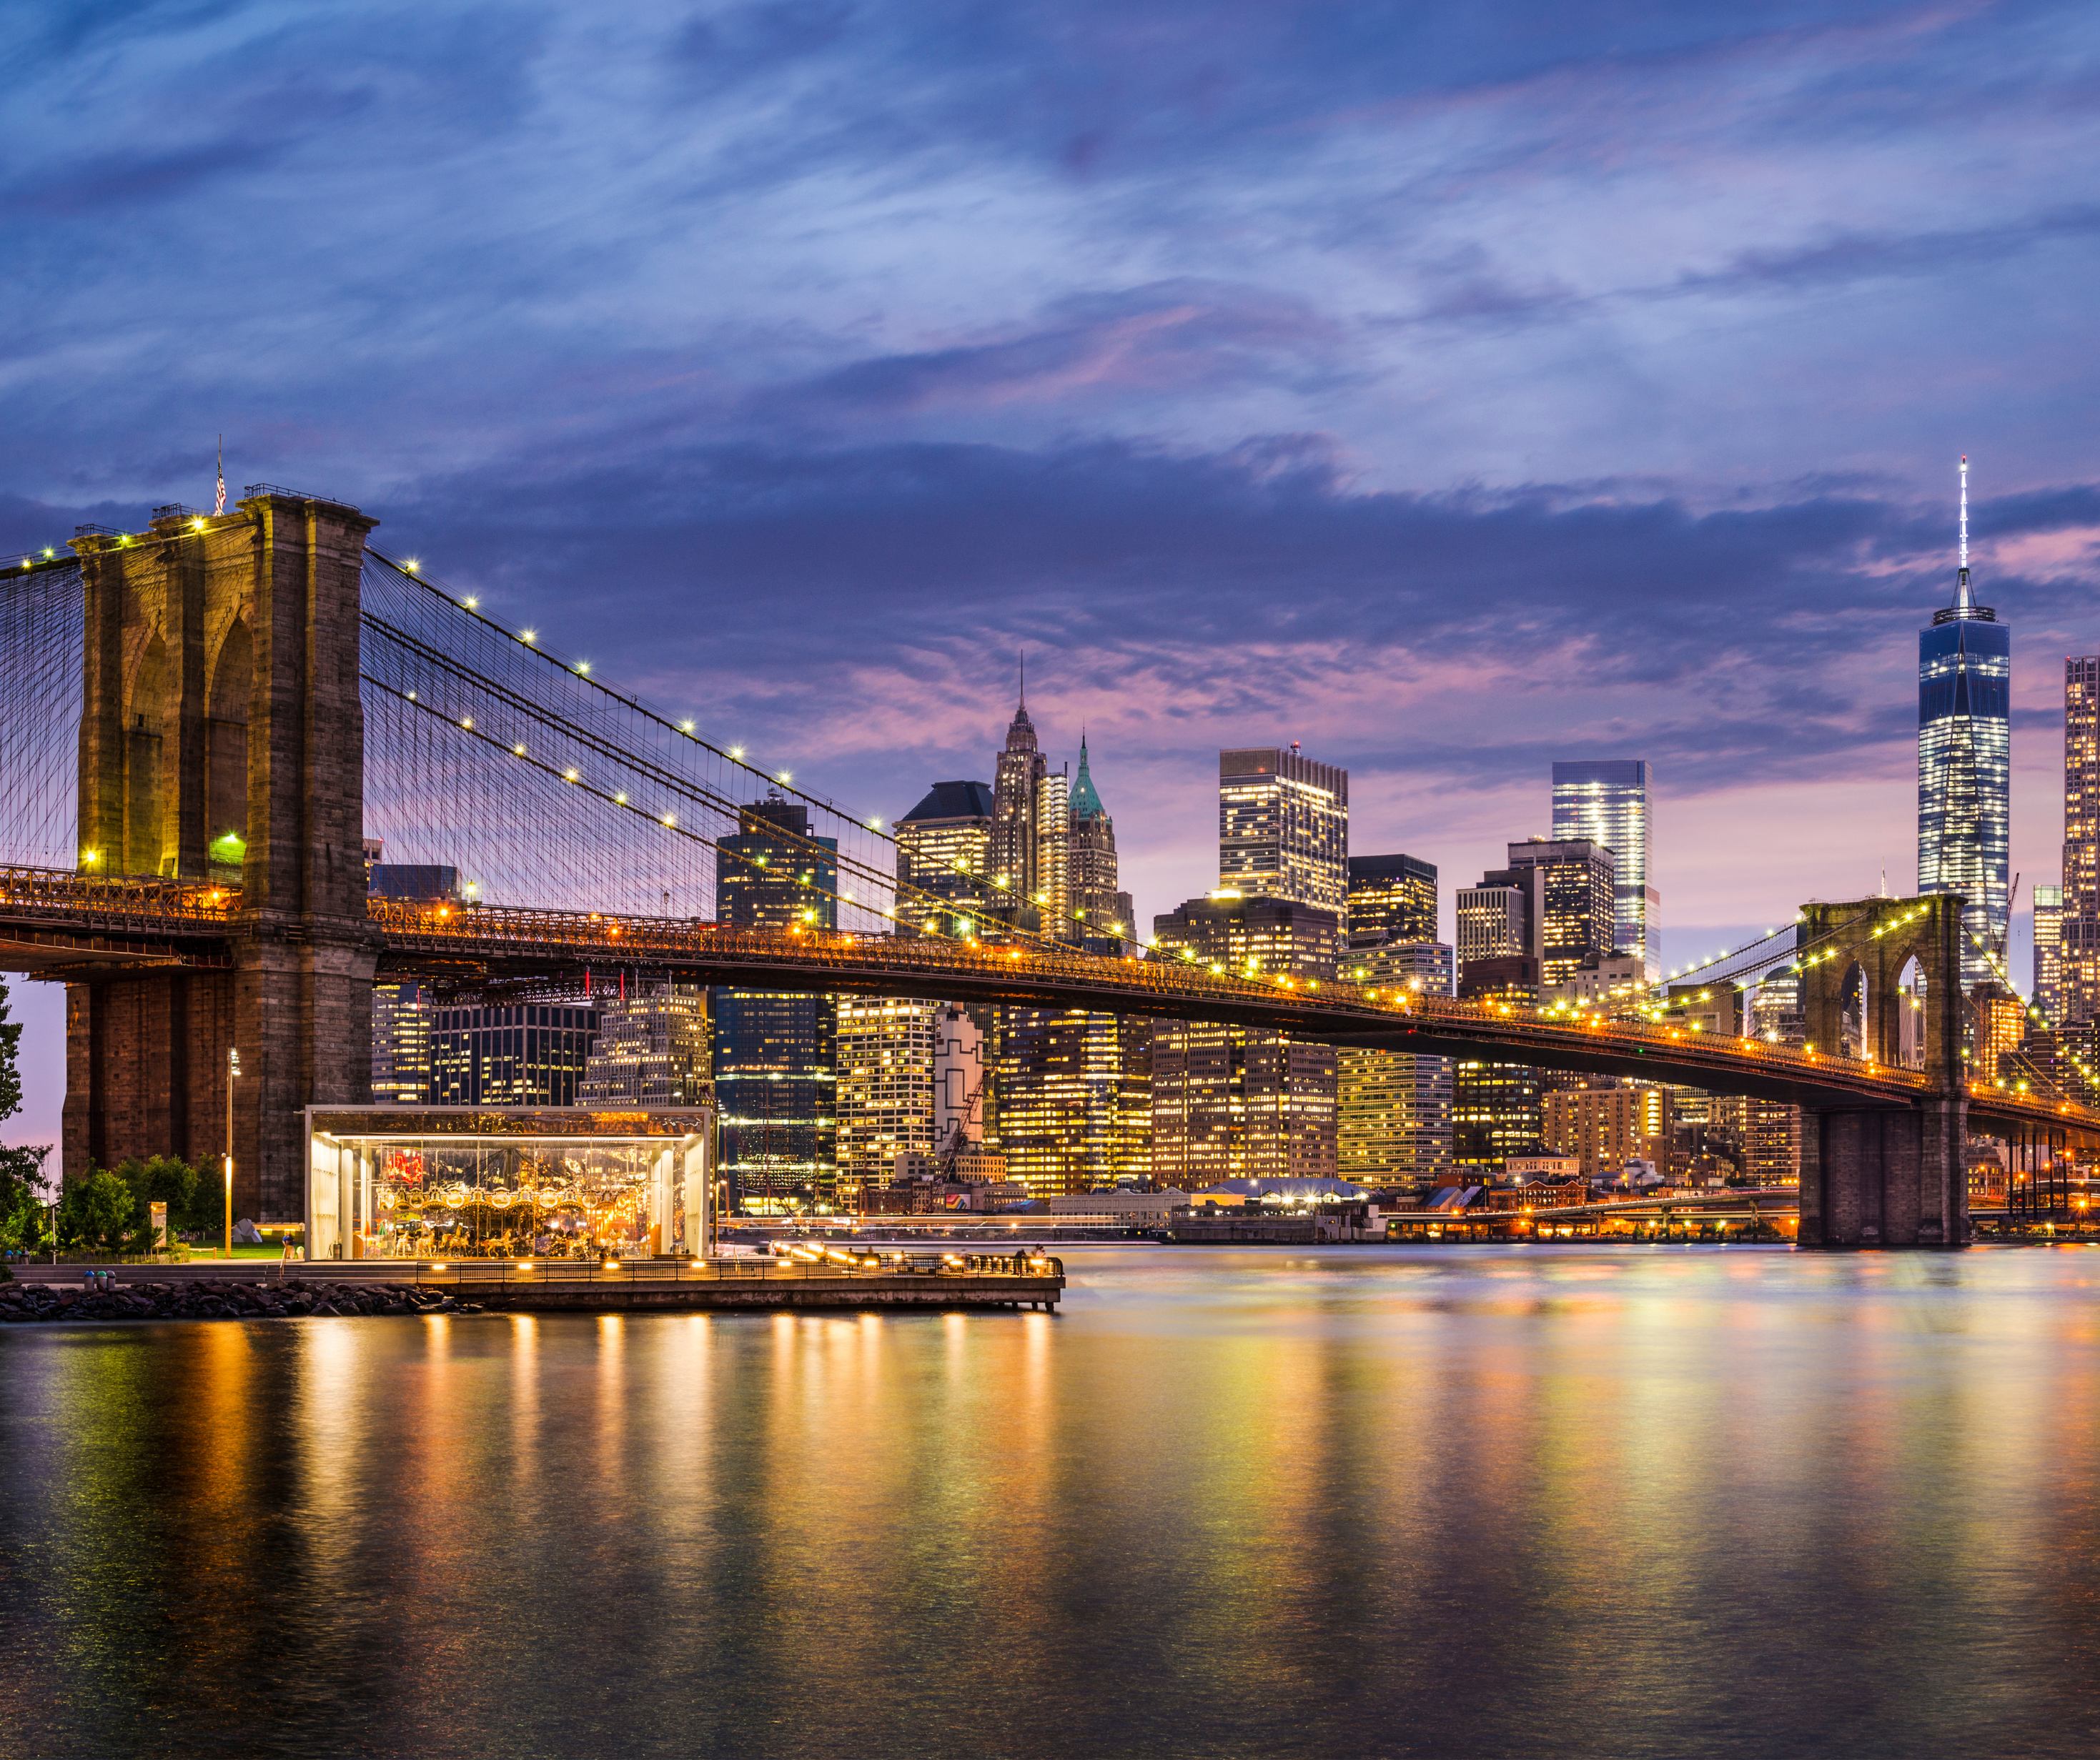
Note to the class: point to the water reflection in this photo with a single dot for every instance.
(1445, 1502)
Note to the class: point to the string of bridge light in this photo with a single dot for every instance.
(936, 909)
(1997, 965)
(411, 571)
(1656, 1011)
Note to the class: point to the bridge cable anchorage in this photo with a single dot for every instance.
(530, 693)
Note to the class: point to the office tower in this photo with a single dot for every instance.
(961, 1094)
(1771, 1141)
(2001, 1024)
(1496, 1107)
(1573, 889)
(2077, 989)
(1613, 984)
(1248, 936)
(1393, 1108)
(1015, 856)
(1772, 1128)
(1392, 898)
(1713, 1007)
(525, 1055)
(409, 882)
(2065, 1060)
(944, 854)
(1231, 1103)
(2049, 952)
(1610, 802)
(1073, 1117)
(1283, 828)
(1607, 1127)
(2081, 785)
(1098, 906)
(885, 1087)
(1965, 672)
(1051, 891)
(1776, 1014)
(651, 1049)
(1494, 918)
(400, 1044)
(775, 1054)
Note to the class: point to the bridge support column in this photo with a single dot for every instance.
(1885, 1178)
(223, 739)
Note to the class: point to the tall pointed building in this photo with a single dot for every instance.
(1016, 854)
(1098, 907)
(1965, 679)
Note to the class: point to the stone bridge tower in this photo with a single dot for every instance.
(221, 740)
(1891, 1177)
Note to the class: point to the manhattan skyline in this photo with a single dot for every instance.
(1451, 395)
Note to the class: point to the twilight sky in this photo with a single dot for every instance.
(1449, 388)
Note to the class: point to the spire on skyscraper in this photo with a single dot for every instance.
(1021, 731)
(1964, 601)
(1086, 799)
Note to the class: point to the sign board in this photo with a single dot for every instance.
(160, 1215)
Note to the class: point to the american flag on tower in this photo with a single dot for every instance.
(220, 506)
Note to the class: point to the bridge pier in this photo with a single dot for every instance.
(1891, 1177)
(1885, 1178)
(223, 739)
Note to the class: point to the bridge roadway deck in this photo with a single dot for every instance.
(64, 925)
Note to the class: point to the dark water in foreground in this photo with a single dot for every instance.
(1450, 1501)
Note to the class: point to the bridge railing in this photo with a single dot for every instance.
(139, 901)
(146, 904)
(1170, 979)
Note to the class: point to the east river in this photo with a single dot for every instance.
(1444, 1501)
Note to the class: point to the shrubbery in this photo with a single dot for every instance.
(111, 1212)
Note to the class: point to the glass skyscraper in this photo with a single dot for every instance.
(1611, 801)
(2069, 994)
(775, 1053)
(1392, 898)
(1965, 683)
(1283, 828)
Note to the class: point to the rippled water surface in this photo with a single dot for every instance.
(1445, 1502)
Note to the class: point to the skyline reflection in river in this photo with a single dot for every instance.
(1438, 1502)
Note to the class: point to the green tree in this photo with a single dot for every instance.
(24, 1219)
(98, 1214)
(171, 1181)
(10, 1077)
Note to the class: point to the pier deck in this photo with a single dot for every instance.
(947, 1281)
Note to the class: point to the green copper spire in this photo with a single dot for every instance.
(1086, 804)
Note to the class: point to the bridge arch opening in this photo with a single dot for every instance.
(1910, 1014)
(1854, 1014)
(226, 748)
(143, 788)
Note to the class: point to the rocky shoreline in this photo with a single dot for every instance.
(294, 1299)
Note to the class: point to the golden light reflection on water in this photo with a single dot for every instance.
(1448, 1502)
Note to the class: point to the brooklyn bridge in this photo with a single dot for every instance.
(206, 719)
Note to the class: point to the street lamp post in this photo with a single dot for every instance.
(232, 1074)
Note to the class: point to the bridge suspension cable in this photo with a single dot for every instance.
(42, 623)
(473, 730)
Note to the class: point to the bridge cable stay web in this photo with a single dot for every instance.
(42, 624)
(491, 753)
(2020, 1059)
(1732, 966)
